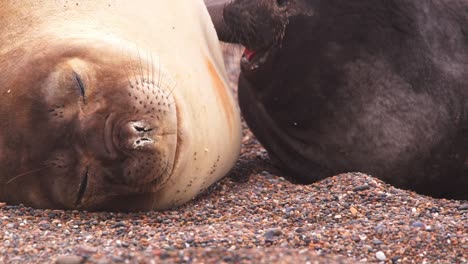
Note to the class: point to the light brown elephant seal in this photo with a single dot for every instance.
(112, 105)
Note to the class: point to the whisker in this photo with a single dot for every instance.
(141, 63)
(159, 69)
(152, 69)
(26, 173)
(147, 69)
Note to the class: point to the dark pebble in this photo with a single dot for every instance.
(377, 242)
(119, 224)
(417, 224)
(395, 259)
(164, 255)
(228, 259)
(380, 229)
(361, 188)
(271, 233)
(300, 230)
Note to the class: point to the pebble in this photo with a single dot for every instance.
(353, 210)
(395, 259)
(377, 242)
(417, 224)
(271, 233)
(361, 188)
(300, 230)
(380, 256)
(69, 259)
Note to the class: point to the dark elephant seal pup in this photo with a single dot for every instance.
(372, 86)
(112, 105)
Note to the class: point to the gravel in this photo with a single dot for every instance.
(251, 216)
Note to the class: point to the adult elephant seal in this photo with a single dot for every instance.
(112, 105)
(371, 86)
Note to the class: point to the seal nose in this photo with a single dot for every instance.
(136, 135)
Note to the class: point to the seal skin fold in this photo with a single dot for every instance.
(372, 86)
(112, 106)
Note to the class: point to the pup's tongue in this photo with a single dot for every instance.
(249, 54)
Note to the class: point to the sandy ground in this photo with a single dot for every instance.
(251, 216)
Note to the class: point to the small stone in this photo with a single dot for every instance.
(300, 230)
(337, 216)
(380, 229)
(395, 259)
(417, 224)
(368, 247)
(353, 210)
(462, 207)
(380, 256)
(119, 224)
(164, 256)
(271, 233)
(69, 259)
(377, 242)
(2, 205)
(361, 188)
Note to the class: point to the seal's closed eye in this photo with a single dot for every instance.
(80, 85)
(82, 187)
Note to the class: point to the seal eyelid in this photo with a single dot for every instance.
(80, 84)
(82, 187)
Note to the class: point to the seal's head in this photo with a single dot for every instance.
(120, 106)
(260, 26)
(87, 127)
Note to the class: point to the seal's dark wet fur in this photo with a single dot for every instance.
(379, 87)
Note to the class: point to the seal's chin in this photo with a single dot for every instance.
(253, 60)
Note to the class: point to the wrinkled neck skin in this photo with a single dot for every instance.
(112, 48)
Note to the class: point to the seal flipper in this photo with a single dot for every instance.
(216, 10)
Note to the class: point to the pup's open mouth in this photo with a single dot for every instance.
(254, 59)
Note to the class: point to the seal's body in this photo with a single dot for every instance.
(373, 86)
(112, 105)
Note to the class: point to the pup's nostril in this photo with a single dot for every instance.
(142, 129)
(142, 141)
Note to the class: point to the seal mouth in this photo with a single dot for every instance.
(253, 59)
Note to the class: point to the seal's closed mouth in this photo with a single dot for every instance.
(253, 59)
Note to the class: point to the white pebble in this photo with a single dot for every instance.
(380, 256)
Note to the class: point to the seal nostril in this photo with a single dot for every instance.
(142, 129)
